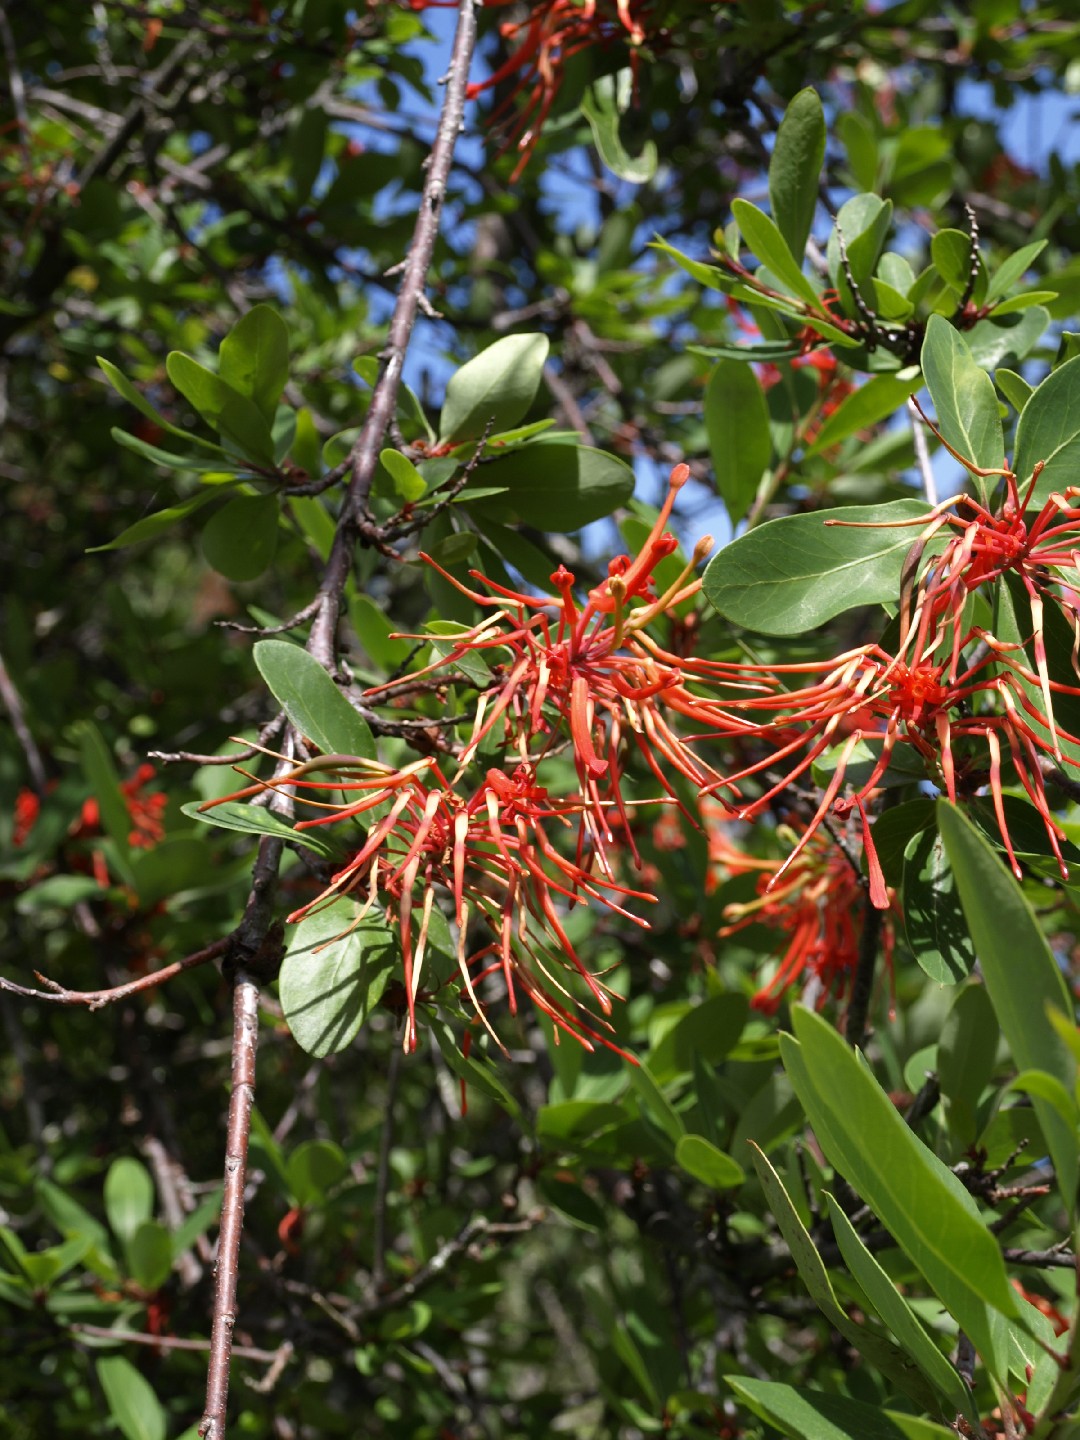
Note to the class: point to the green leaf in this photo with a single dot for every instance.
(966, 1057)
(1049, 430)
(131, 1399)
(333, 976)
(737, 422)
(254, 358)
(812, 1415)
(123, 386)
(864, 222)
(898, 1315)
(498, 386)
(225, 465)
(918, 1199)
(701, 1159)
(1021, 975)
(257, 820)
(769, 245)
(1014, 387)
(871, 403)
(409, 484)
(224, 408)
(795, 169)
(602, 105)
(104, 784)
(874, 1347)
(994, 343)
(555, 486)
(1014, 268)
(129, 1196)
(150, 526)
(149, 1254)
(240, 540)
(963, 395)
(655, 1104)
(312, 701)
(313, 1168)
(951, 254)
(933, 917)
(565, 1194)
(792, 574)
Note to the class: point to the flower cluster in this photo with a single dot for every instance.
(582, 680)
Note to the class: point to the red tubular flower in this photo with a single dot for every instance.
(816, 908)
(27, 809)
(490, 852)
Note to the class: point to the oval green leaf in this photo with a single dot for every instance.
(240, 540)
(312, 701)
(131, 1400)
(333, 976)
(964, 396)
(792, 574)
(555, 486)
(737, 423)
(701, 1159)
(795, 168)
(496, 387)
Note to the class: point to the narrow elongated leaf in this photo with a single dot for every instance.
(966, 1056)
(151, 526)
(1014, 268)
(933, 917)
(963, 396)
(792, 574)
(1021, 975)
(601, 105)
(1049, 430)
(769, 245)
(812, 1415)
(737, 423)
(200, 464)
(104, 784)
(498, 386)
(257, 820)
(897, 1314)
(917, 1198)
(879, 398)
(875, 1348)
(123, 386)
(254, 357)
(131, 1399)
(224, 408)
(333, 976)
(795, 168)
(312, 701)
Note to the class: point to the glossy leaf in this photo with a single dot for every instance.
(917, 1198)
(814, 1415)
(129, 1196)
(150, 1255)
(496, 388)
(795, 168)
(602, 105)
(123, 386)
(933, 917)
(964, 399)
(1049, 430)
(151, 526)
(131, 1399)
(333, 975)
(880, 397)
(737, 423)
(257, 820)
(224, 408)
(967, 1054)
(707, 1163)
(792, 574)
(898, 1315)
(555, 486)
(312, 701)
(254, 357)
(769, 245)
(409, 484)
(1022, 977)
(876, 1348)
(240, 540)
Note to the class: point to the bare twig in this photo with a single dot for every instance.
(322, 642)
(12, 702)
(96, 999)
(176, 1342)
(922, 455)
(245, 1038)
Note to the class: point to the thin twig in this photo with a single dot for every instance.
(96, 999)
(245, 1038)
(382, 1179)
(922, 455)
(12, 702)
(322, 643)
(175, 1342)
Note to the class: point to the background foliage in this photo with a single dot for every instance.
(752, 1231)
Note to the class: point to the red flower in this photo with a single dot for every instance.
(27, 809)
